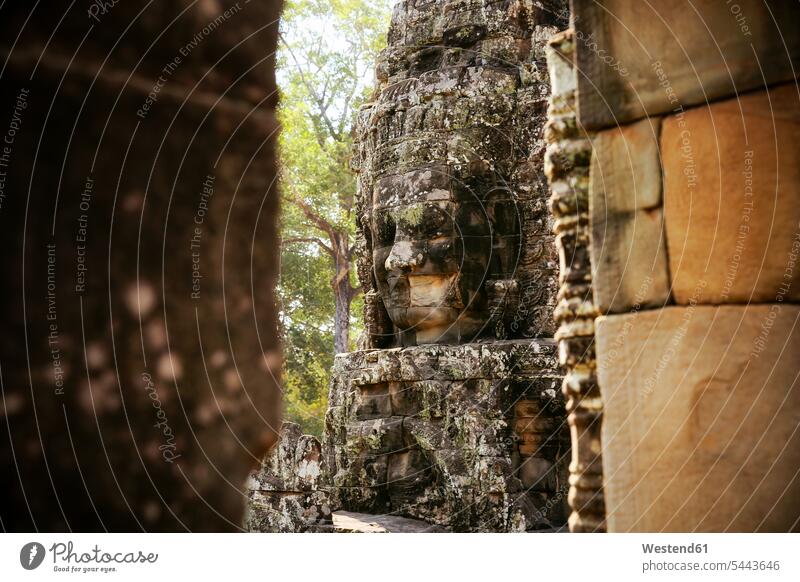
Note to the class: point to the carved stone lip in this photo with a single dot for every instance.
(423, 289)
(433, 290)
(425, 318)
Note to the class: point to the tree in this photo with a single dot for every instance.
(327, 50)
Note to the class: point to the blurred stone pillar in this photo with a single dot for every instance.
(139, 355)
(567, 166)
(695, 232)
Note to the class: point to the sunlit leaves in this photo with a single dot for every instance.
(325, 63)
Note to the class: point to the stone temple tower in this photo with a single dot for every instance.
(451, 412)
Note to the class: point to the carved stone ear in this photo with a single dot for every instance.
(463, 36)
(502, 297)
(379, 329)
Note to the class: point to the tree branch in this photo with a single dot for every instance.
(320, 103)
(320, 222)
(354, 291)
(300, 239)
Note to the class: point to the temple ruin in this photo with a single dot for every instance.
(675, 296)
(452, 412)
(578, 234)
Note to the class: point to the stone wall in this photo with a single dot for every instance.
(695, 239)
(469, 437)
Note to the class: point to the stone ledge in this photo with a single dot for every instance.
(448, 433)
(350, 522)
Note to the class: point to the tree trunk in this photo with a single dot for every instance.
(343, 292)
(112, 292)
(341, 317)
(342, 255)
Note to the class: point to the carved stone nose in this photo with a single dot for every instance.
(404, 257)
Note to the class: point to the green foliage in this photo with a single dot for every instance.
(325, 62)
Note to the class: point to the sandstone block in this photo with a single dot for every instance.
(629, 260)
(700, 418)
(405, 398)
(526, 409)
(639, 58)
(374, 402)
(626, 174)
(407, 470)
(383, 435)
(424, 434)
(731, 188)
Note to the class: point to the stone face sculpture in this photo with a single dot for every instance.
(436, 243)
(452, 224)
(451, 412)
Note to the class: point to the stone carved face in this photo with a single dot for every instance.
(437, 242)
(453, 130)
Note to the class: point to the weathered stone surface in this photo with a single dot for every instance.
(700, 419)
(628, 249)
(731, 183)
(286, 493)
(454, 236)
(461, 425)
(639, 59)
(294, 464)
(351, 522)
(698, 406)
(455, 246)
(298, 512)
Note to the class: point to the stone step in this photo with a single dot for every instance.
(349, 522)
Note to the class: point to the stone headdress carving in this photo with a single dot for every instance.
(453, 235)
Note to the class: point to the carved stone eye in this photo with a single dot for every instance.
(433, 219)
(426, 60)
(384, 228)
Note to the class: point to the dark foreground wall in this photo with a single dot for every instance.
(138, 206)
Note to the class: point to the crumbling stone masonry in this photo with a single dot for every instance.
(469, 437)
(451, 412)
(285, 493)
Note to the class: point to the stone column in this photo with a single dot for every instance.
(695, 239)
(138, 215)
(567, 167)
